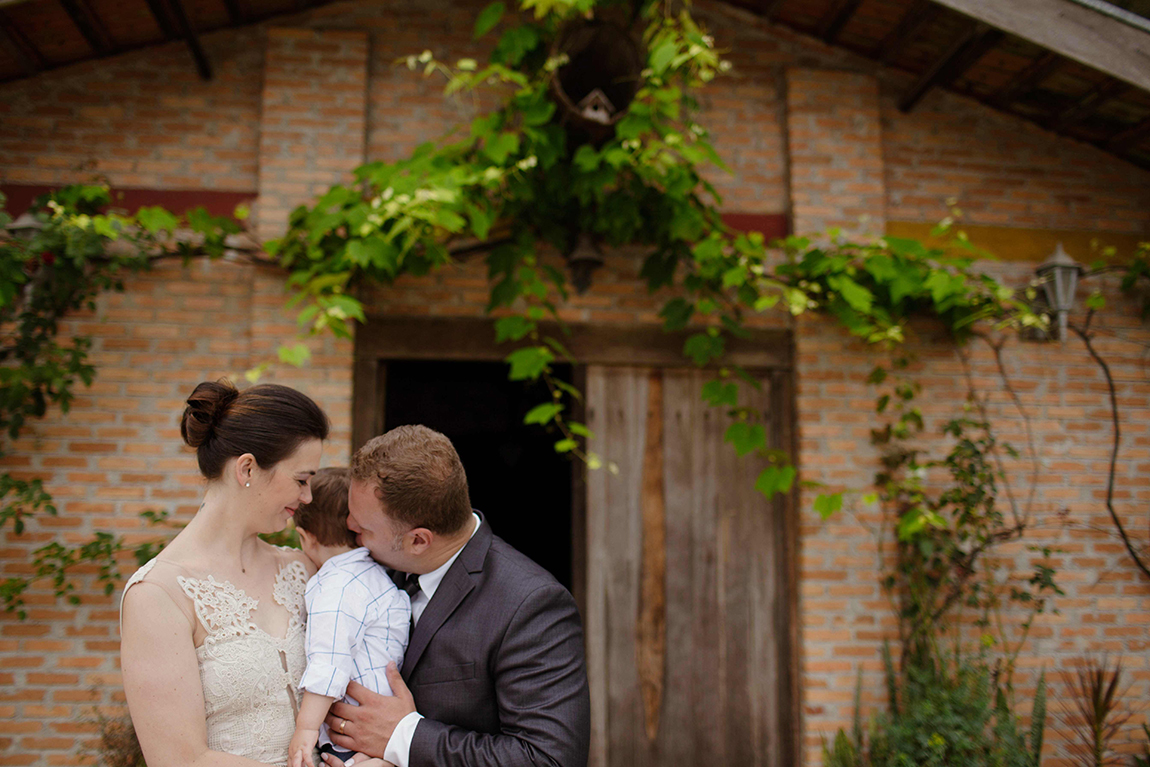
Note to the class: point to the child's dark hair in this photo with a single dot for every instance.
(326, 516)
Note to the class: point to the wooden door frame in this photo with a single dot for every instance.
(382, 338)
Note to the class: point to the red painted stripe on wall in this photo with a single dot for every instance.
(772, 225)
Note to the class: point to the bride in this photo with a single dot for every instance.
(213, 628)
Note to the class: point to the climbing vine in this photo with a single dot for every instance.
(525, 187)
(69, 249)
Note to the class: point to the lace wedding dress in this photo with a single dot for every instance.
(250, 678)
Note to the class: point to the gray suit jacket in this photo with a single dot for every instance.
(496, 666)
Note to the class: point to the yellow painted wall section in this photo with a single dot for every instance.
(1021, 244)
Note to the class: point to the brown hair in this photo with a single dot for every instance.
(326, 516)
(418, 476)
(269, 421)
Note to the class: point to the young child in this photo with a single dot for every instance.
(357, 620)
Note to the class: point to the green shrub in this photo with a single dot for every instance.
(943, 715)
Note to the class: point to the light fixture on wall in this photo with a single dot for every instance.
(25, 226)
(583, 259)
(1059, 275)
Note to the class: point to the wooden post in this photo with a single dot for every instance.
(651, 647)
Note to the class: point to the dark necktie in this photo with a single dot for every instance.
(411, 584)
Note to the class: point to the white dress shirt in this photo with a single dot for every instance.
(398, 750)
(357, 622)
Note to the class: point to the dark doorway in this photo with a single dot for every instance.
(515, 477)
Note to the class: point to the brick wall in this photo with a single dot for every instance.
(1020, 175)
(312, 118)
(118, 453)
(845, 613)
(111, 120)
(835, 183)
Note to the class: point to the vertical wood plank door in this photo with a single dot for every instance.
(688, 610)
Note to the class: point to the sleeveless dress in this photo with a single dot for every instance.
(250, 678)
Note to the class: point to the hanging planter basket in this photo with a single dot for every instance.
(600, 79)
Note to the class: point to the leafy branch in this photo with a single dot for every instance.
(73, 249)
(525, 188)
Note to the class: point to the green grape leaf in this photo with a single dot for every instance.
(827, 504)
(544, 413)
(775, 479)
(529, 363)
(488, 18)
(720, 392)
(745, 437)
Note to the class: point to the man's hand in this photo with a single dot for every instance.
(368, 726)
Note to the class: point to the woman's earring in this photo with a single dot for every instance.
(247, 484)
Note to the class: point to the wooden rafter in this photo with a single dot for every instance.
(163, 19)
(1033, 75)
(20, 47)
(184, 27)
(89, 26)
(768, 8)
(1107, 44)
(236, 13)
(962, 54)
(837, 18)
(1088, 104)
(912, 23)
(1129, 136)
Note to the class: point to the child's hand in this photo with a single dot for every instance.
(301, 747)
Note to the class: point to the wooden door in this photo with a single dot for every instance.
(689, 600)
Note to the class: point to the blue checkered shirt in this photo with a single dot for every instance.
(357, 622)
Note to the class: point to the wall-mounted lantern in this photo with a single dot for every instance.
(1059, 275)
(25, 226)
(583, 259)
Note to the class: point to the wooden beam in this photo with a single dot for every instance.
(163, 19)
(1117, 48)
(1140, 162)
(651, 626)
(1089, 103)
(784, 436)
(1033, 75)
(184, 27)
(235, 12)
(1131, 135)
(451, 338)
(961, 55)
(913, 22)
(20, 47)
(837, 18)
(89, 26)
(768, 8)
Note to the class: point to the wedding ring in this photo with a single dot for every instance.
(342, 722)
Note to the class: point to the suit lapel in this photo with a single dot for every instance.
(457, 583)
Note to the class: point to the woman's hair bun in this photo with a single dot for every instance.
(206, 406)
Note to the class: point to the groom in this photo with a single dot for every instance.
(495, 663)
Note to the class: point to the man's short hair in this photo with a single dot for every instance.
(326, 516)
(418, 476)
